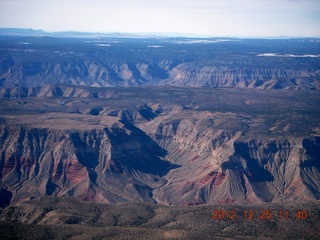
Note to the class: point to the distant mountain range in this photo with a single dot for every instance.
(78, 34)
(39, 32)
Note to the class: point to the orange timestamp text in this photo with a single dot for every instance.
(264, 214)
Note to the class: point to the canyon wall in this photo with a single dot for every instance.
(175, 164)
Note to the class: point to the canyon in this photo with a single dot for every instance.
(165, 146)
(109, 62)
(119, 137)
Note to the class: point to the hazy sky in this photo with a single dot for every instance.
(211, 17)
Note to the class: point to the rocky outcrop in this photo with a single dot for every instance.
(34, 74)
(128, 62)
(125, 164)
(187, 75)
(159, 145)
(37, 162)
(222, 167)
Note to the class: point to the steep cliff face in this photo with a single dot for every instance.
(166, 146)
(125, 164)
(37, 162)
(87, 73)
(83, 72)
(237, 63)
(271, 171)
(189, 75)
(222, 167)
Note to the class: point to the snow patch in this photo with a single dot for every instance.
(103, 45)
(288, 55)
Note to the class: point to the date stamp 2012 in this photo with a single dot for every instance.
(263, 214)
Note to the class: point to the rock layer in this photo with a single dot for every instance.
(201, 146)
(112, 165)
(241, 63)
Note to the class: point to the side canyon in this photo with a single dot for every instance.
(171, 146)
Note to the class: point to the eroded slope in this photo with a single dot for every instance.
(160, 145)
(240, 63)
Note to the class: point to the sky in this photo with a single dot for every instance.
(249, 18)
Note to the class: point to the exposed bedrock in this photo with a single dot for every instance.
(102, 165)
(126, 163)
(84, 71)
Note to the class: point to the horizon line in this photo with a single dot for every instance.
(140, 34)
